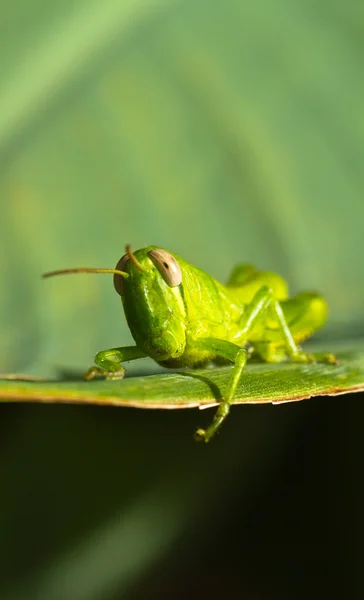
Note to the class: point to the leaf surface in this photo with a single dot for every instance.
(261, 383)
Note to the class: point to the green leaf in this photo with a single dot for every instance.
(261, 383)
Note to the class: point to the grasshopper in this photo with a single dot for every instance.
(182, 317)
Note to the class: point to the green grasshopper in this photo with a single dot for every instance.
(181, 317)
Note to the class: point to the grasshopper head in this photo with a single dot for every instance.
(148, 282)
(153, 304)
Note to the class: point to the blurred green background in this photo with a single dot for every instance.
(223, 131)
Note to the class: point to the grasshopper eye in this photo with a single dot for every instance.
(118, 279)
(167, 266)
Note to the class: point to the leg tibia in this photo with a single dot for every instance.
(305, 314)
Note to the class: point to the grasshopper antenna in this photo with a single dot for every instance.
(84, 270)
(133, 258)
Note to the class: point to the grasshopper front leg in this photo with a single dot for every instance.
(264, 299)
(109, 362)
(239, 357)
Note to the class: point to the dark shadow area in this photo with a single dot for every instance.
(69, 375)
(299, 533)
(215, 390)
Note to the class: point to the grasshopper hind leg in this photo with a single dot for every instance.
(284, 330)
(302, 316)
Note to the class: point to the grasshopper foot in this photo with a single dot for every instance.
(92, 373)
(326, 357)
(205, 435)
(317, 357)
(99, 372)
(200, 436)
(108, 365)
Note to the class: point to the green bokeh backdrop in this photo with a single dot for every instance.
(224, 131)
